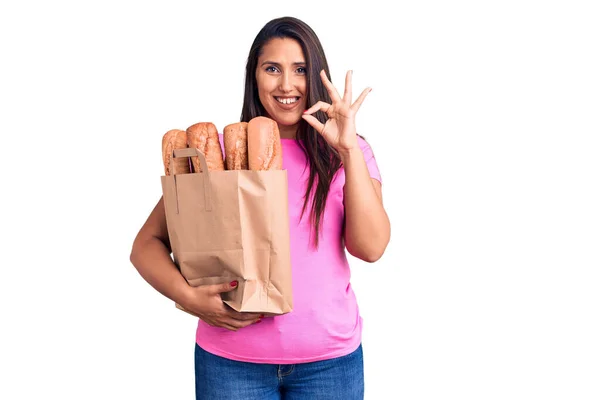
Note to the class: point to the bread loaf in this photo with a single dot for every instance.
(174, 139)
(235, 141)
(264, 145)
(204, 136)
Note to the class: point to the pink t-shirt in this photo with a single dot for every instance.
(325, 320)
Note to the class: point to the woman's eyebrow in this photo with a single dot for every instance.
(278, 64)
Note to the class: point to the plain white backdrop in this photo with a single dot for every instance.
(484, 118)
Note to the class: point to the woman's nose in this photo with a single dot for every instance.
(285, 83)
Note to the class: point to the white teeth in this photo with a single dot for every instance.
(287, 100)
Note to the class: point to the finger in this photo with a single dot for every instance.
(315, 123)
(221, 324)
(348, 88)
(360, 99)
(333, 93)
(230, 327)
(225, 287)
(243, 324)
(243, 316)
(229, 312)
(239, 324)
(318, 106)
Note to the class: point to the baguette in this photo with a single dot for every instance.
(264, 145)
(235, 141)
(174, 139)
(204, 136)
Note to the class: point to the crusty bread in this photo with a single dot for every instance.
(264, 145)
(204, 136)
(174, 139)
(235, 142)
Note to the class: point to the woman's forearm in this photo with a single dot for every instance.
(153, 261)
(367, 231)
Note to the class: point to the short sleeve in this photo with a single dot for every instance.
(369, 159)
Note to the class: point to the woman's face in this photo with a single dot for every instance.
(281, 81)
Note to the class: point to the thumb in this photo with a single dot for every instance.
(227, 287)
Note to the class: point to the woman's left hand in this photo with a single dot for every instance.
(339, 130)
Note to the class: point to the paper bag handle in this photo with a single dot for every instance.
(189, 152)
(193, 152)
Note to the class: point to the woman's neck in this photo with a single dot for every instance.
(288, 131)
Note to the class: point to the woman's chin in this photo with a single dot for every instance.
(287, 120)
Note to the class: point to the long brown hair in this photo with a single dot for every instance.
(323, 160)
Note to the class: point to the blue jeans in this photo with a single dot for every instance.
(220, 378)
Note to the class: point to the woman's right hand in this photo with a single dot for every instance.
(205, 301)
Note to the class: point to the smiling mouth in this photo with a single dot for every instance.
(287, 100)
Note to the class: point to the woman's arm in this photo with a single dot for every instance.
(367, 230)
(151, 256)
(367, 226)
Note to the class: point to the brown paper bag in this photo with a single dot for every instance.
(232, 225)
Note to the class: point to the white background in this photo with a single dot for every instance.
(484, 118)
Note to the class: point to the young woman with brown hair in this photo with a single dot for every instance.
(335, 203)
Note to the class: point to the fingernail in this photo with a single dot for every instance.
(305, 111)
(233, 283)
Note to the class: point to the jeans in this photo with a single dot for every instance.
(220, 378)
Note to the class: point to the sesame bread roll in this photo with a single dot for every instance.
(174, 139)
(264, 145)
(235, 141)
(204, 136)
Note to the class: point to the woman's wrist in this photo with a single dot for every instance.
(347, 155)
(183, 293)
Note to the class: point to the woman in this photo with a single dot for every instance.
(313, 352)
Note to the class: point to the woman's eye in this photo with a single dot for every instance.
(301, 70)
(271, 69)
